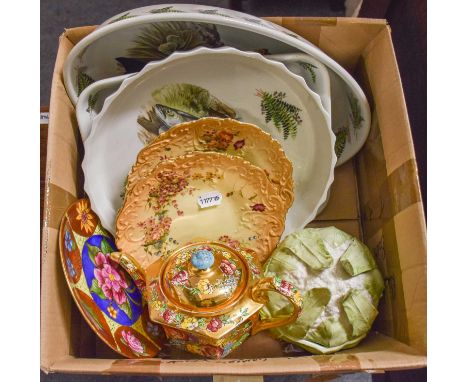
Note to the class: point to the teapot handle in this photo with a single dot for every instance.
(132, 268)
(283, 287)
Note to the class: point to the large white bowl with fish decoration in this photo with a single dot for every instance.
(128, 41)
(92, 98)
(206, 82)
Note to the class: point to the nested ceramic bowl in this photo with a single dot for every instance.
(126, 42)
(205, 82)
(315, 74)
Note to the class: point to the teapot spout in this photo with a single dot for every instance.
(132, 269)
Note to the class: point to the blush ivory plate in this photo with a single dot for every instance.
(207, 82)
(315, 74)
(103, 291)
(126, 42)
(162, 211)
(226, 136)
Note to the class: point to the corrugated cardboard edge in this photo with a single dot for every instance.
(56, 199)
(407, 210)
(378, 352)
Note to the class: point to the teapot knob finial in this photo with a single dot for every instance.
(202, 259)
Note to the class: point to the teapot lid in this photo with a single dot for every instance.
(204, 278)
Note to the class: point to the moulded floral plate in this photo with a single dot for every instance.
(105, 294)
(211, 82)
(315, 74)
(226, 136)
(126, 42)
(170, 207)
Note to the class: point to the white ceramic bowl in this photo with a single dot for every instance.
(92, 98)
(235, 83)
(95, 57)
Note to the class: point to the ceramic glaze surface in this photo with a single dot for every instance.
(161, 212)
(104, 293)
(315, 74)
(113, 291)
(232, 288)
(97, 56)
(220, 135)
(204, 278)
(261, 92)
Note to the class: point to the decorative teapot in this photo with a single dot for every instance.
(207, 296)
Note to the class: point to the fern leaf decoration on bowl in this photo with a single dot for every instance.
(310, 69)
(125, 16)
(169, 9)
(83, 81)
(355, 114)
(213, 12)
(340, 143)
(284, 115)
(92, 100)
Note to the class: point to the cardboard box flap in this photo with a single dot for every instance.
(390, 198)
(343, 39)
(378, 352)
(75, 35)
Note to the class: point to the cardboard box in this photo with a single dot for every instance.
(375, 197)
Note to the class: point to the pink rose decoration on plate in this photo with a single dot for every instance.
(109, 279)
(214, 325)
(180, 278)
(132, 342)
(227, 267)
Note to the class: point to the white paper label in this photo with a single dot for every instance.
(210, 199)
(44, 118)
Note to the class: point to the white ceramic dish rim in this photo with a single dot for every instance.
(85, 121)
(202, 50)
(308, 48)
(82, 104)
(287, 58)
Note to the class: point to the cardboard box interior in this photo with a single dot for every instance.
(375, 197)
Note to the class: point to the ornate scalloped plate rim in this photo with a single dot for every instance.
(287, 184)
(280, 215)
(71, 288)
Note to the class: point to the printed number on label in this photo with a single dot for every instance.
(210, 199)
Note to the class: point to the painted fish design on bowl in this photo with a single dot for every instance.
(178, 103)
